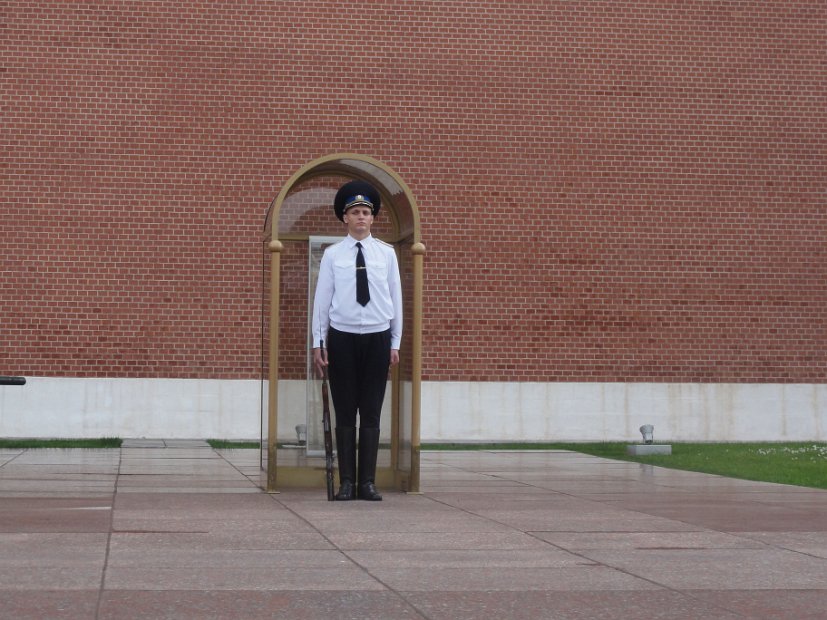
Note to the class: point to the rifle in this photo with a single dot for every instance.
(328, 436)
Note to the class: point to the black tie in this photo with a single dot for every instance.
(362, 292)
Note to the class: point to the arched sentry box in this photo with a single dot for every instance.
(299, 225)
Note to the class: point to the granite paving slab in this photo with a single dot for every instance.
(422, 541)
(811, 543)
(46, 603)
(333, 578)
(567, 605)
(37, 578)
(487, 579)
(539, 557)
(52, 549)
(162, 557)
(260, 536)
(775, 603)
(255, 605)
(702, 539)
(175, 529)
(708, 569)
(54, 515)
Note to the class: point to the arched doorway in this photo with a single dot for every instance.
(299, 223)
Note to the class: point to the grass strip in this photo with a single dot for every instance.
(226, 444)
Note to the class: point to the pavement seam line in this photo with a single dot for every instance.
(344, 553)
(102, 588)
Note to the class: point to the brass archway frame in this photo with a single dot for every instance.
(400, 203)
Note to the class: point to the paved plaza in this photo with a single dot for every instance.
(175, 529)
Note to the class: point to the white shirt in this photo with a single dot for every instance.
(335, 302)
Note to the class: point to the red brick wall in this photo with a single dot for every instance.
(618, 190)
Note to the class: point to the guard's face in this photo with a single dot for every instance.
(358, 220)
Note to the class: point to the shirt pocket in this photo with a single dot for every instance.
(344, 272)
(377, 270)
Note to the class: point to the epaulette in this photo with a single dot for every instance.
(385, 243)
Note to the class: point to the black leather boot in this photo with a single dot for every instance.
(368, 452)
(346, 452)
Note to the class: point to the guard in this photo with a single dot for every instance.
(357, 314)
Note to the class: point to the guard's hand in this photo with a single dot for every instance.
(394, 357)
(319, 361)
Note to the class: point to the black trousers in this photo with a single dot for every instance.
(358, 372)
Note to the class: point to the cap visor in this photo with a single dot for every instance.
(358, 203)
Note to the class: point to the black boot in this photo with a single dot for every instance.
(368, 451)
(346, 452)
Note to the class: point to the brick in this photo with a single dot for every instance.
(643, 180)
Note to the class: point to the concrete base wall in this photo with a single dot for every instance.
(106, 407)
(615, 411)
(451, 411)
